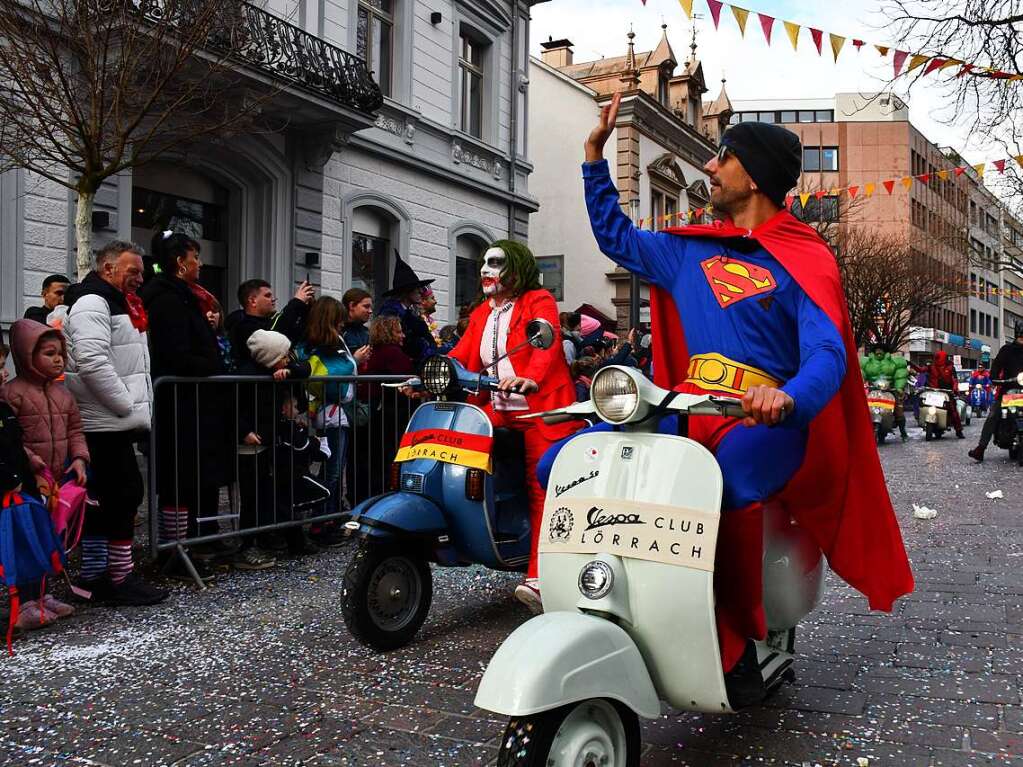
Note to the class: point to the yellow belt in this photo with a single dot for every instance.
(718, 373)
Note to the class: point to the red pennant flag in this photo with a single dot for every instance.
(967, 68)
(924, 177)
(889, 185)
(698, 212)
(936, 63)
(859, 44)
(899, 59)
(818, 38)
(960, 171)
(1000, 164)
(715, 11)
(853, 190)
(766, 23)
(819, 194)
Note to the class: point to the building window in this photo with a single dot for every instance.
(788, 117)
(468, 255)
(766, 117)
(987, 324)
(374, 39)
(995, 334)
(824, 210)
(470, 85)
(824, 116)
(816, 158)
(369, 264)
(805, 117)
(553, 270)
(664, 207)
(973, 320)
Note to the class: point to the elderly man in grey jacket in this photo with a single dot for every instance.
(108, 373)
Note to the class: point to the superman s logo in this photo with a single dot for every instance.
(732, 281)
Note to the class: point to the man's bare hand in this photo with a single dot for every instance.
(252, 439)
(517, 384)
(599, 135)
(305, 293)
(766, 405)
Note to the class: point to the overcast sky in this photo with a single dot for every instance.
(754, 70)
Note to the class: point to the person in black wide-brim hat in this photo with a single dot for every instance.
(402, 301)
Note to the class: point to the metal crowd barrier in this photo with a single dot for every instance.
(198, 450)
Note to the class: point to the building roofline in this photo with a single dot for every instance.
(562, 76)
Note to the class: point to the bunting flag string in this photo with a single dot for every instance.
(853, 190)
(899, 58)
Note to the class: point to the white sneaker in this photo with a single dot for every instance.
(528, 592)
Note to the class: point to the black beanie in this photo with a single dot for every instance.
(770, 154)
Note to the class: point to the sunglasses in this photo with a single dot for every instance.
(723, 153)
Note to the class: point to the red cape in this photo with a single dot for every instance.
(839, 494)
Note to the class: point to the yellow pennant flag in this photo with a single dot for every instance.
(1019, 160)
(907, 181)
(793, 32)
(741, 14)
(1016, 77)
(687, 6)
(882, 49)
(709, 209)
(951, 63)
(803, 198)
(837, 41)
(835, 192)
(979, 169)
(916, 61)
(943, 175)
(868, 189)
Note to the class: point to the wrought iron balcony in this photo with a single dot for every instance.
(259, 39)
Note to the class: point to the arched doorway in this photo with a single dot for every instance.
(166, 196)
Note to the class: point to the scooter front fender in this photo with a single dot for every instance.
(564, 657)
(397, 515)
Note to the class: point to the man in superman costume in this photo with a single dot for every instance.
(753, 307)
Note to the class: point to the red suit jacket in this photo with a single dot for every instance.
(545, 366)
(839, 494)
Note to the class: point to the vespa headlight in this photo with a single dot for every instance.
(596, 579)
(615, 395)
(437, 374)
(1019, 379)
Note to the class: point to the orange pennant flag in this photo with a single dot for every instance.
(882, 49)
(687, 6)
(951, 63)
(915, 61)
(793, 32)
(907, 181)
(1019, 160)
(868, 189)
(979, 169)
(889, 184)
(837, 41)
(853, 190)
(804, 197)
(741, 15)
(836, 192)
(943, 175)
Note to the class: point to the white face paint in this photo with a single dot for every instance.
(490, 273)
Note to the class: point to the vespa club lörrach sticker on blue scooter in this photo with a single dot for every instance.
(633, 529)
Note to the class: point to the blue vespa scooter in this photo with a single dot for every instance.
(458, 498)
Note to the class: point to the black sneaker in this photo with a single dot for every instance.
(745, 683)
(177, 571)
(977, 454)
(253, 558)
(99, 589)
(135, 592)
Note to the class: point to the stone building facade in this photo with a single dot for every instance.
(434, 174)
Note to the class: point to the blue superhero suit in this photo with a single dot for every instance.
(746, 322)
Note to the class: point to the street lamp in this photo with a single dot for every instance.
(633, 277)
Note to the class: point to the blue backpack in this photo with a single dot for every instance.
(29, 549)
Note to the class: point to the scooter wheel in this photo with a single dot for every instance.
(591, 732)
(385, 595)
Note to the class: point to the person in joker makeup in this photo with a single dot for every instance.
(531, 380)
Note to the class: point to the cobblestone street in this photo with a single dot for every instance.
(260, 669)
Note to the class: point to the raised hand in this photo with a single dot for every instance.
(599, 135)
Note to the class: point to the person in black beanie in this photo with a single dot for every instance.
(735, 318)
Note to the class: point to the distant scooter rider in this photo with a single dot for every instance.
(1008, 364)
(941, 374)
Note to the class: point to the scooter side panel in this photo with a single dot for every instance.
(564, 657)
(671, 606)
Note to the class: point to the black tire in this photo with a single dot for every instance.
(879, 434)
(1019, 450)
(385, 625)
(529, 740)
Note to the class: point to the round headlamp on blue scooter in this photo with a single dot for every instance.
(439, 375)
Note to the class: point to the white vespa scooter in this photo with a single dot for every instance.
(627, 558)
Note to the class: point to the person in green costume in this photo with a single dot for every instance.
(881, 363)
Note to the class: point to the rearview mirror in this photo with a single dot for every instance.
(540, 334)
